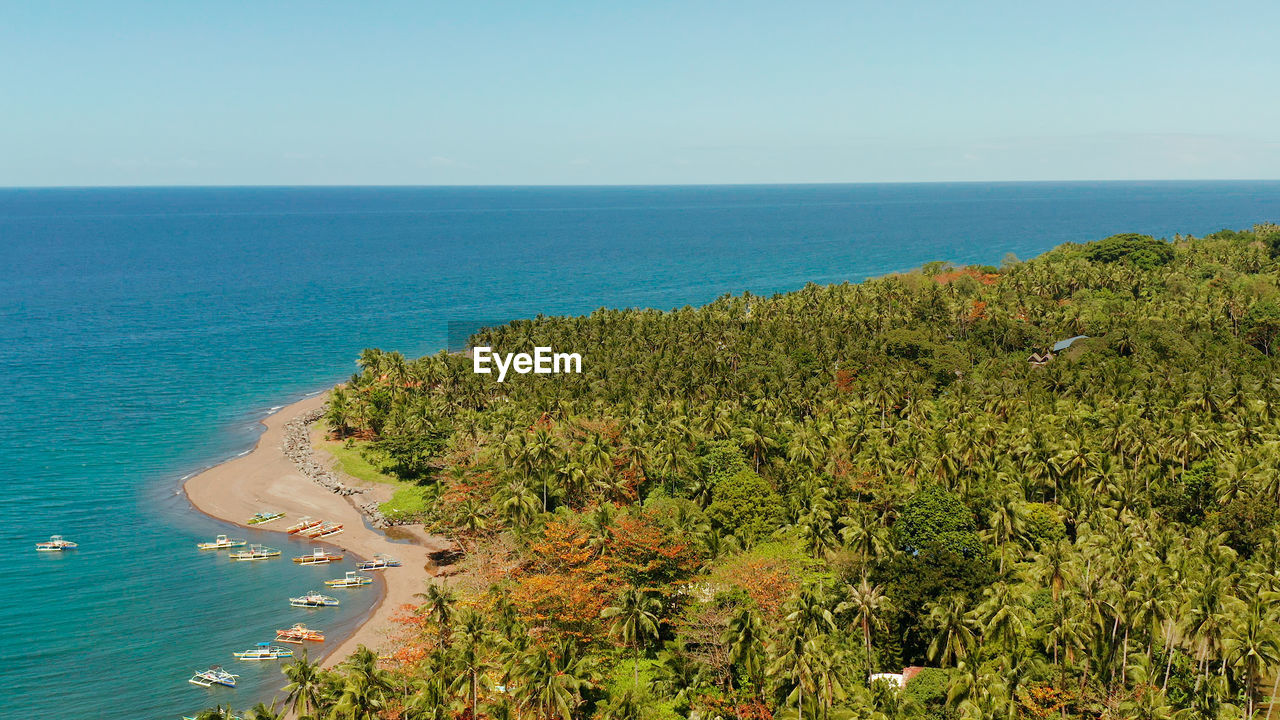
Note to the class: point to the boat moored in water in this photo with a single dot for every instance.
(319, 556)
(222, 542)
(313, 599)
(56, 544)
(213, 676)
(302, 525)
(255, 552)
(264, 651)
(298, 634)
(379, 562)
(352, 579)
(265, 517)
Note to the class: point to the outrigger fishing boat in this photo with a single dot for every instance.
(255, 552)
(336, 530)
(379, 562)
(351, 580)
(313, 599)
(265, 517)
(319, 556)
(302, 525)
(324, 529)
(213, 676)
(264, 651)
(298, 634)
(56, 544)
(222, 542)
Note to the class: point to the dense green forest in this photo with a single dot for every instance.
(749, 509)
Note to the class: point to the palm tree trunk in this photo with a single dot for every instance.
(1271, 701)
(1124, 656)
(866, 634)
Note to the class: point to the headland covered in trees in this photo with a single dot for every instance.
(852, 501)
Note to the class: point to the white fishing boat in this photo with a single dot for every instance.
(319, 556)
(352, 579)
(255, 552)
(313, 599)
(213, 676)
(264, 651)
(222, 542)
(56, 544)
(379, 562)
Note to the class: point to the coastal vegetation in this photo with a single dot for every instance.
(770, 507)
(362, 461)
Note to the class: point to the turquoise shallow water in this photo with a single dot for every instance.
(143, 332)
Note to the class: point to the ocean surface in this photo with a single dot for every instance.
(144, 332)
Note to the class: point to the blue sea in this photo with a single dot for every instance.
(145, 331)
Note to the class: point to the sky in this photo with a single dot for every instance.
(581, 93)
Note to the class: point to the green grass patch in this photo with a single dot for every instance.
(353, 458)
(359, 461)
(408, 499)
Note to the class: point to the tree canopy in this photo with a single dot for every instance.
(744, 510)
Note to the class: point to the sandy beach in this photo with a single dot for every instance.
(266, 479)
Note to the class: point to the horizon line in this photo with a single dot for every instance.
(267, 186)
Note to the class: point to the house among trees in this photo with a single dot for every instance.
(898, 680)
(1038, 359)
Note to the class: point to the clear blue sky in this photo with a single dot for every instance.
(545, 92)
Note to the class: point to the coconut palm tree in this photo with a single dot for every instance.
(439, 607)
(262, 711)
(953, 638)
(867, 603)
(1253, 646)
(305, 692)
(551, 681)
(635, 622)
(745, 637)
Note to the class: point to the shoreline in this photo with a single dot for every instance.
(264, 478)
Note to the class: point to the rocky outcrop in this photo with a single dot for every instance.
(297, 447)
